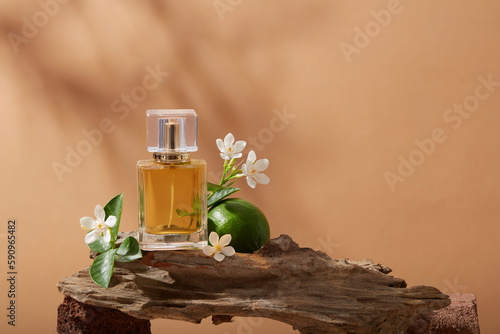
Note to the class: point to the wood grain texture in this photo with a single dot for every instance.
(299, 286)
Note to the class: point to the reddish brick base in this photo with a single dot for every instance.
(77, 318)
(460, 317)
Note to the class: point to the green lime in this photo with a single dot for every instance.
(245, 222)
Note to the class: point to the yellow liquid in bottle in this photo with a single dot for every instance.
(172, 198)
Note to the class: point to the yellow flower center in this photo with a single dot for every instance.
(217, 248)
(101, 225)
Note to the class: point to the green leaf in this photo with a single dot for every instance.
(212, 186)
(128, 251)
(230, 184)
(220, 194)
(184, 213)
(99, 246)
(114, 208)
(101, 269)
(197, 204)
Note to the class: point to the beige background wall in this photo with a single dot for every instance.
(352, 114)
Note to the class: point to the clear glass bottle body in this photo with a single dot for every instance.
(172, 204)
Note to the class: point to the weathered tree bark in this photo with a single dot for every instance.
(281, 281)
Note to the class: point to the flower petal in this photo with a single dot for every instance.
(251, 157)
(99, 213)
(213, 238)
(251, 182)
(87, 223)
(228, 251)
(225, 240)
(225, 156)
(261, 164)
(111, 221)
(208, 250)
(220, 145)
(250, 168)
(106, 235)
(229, 140)
(237, 155)
(261, 178)
(239, 146)
(244, 169)
(92, 236)
(219, 256)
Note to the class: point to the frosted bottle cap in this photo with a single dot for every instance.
(172, 130)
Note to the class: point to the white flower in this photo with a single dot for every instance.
(229, 149)
(220, 248)
(99, 226)
(253, 170)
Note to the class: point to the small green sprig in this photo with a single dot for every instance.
(101, 238)
(252, 169)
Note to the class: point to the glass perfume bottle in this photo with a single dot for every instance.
(172, 187)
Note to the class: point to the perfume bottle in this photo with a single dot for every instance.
(172, 187)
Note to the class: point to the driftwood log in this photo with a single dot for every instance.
(299, 286)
